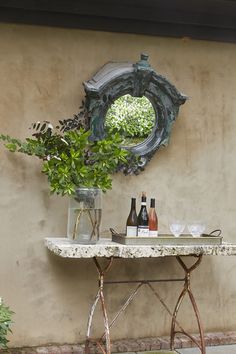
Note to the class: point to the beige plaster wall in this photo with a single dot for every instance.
(41, 74)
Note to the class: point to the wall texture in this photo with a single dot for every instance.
(41, 71)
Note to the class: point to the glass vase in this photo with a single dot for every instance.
(84, 216)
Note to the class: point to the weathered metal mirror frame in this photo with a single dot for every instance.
(117, 79)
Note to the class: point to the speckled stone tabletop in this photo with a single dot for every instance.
(63, 247)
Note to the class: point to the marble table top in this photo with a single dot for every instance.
(63, 247)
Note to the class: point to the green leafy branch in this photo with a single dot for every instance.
(70, 158)
(5, 323)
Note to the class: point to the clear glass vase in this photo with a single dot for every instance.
(84, 216)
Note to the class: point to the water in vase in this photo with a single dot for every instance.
(83, 225)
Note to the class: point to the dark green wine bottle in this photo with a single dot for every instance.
(143, 228)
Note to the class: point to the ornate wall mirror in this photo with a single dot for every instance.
(135, 101)
(148, 105)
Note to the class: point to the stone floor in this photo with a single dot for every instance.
(222, 349)
(216, 342)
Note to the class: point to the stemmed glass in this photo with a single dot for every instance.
(196, 229)
(177, 228)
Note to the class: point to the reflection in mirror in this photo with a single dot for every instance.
(132, 117)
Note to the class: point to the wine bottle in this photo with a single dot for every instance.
(153, 220)
(132, 221)
(143, 229)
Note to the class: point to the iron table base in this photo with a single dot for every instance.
(104, 342)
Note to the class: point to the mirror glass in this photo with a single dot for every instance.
(132, 117)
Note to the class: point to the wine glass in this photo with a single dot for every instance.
(176, 228)
(196, 229)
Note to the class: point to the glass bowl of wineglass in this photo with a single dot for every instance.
(177, 227)
(196, 228)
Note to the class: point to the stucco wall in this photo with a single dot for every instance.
(41, 75)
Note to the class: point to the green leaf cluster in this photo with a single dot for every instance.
(5, 323)
(70, 159)
(131, 117)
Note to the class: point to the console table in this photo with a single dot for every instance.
(110, 251)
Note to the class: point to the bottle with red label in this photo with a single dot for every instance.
(152, 219)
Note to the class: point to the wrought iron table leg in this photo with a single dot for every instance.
(106, 347)
(100, 296)
(187, 290)
(91, 313)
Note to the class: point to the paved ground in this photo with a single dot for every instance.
(224, 349)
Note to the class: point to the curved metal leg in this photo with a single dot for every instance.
(106, 323)
(187, 290)
(90, 319)
(99, 296)
(173, 323)
(202, 347)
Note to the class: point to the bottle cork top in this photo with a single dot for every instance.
(144, 197)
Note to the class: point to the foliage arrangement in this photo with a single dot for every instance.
(131, 117)
(5, 323)
(69, 158)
